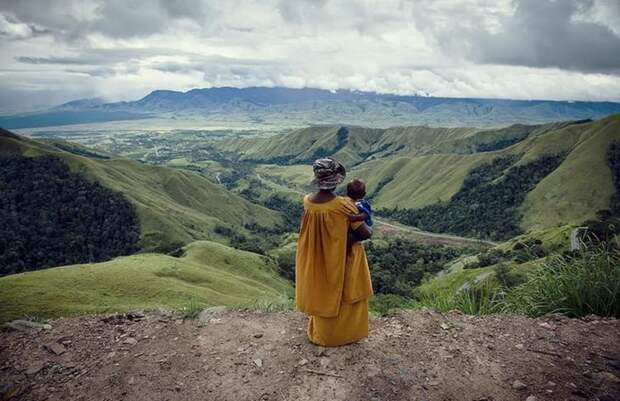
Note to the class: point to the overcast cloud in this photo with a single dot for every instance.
(55, 51)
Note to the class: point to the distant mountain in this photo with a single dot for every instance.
(287, 106)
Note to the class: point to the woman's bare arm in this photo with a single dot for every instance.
(363, 232)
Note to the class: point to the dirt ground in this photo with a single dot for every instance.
(247, 355)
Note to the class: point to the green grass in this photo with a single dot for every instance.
(174, 207)
(483, 299)
(208, 274)
(419, 166)
(575, 286)
(581, 185)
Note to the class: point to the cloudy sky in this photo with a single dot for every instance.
(59, 50)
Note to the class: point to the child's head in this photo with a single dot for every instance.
(356, 189)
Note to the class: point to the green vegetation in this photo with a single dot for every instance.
(588, 283)
(487, 204)
(400, 265)
(613, 160)
(51, 217)
(574, 285)
(173, 207)
(207, 274)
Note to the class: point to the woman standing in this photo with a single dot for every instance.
(332, 287)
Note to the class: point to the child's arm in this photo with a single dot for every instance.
(358, 217)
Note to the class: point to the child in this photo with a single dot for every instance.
(356, 190)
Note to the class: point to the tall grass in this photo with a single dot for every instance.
(588, 283)
(483, 299)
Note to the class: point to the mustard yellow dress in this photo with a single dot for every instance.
(331, 287)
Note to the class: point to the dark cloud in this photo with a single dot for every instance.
(540, 33)
(72, 19)
(547, 34)
(121, 49)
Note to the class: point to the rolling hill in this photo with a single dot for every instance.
(174, 207)
(414, 167)
(208, 273)
(307, 106)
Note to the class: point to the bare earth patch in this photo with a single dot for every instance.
(247, 355)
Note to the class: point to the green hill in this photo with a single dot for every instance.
(208, 274)
(413, 167)
(174, 207)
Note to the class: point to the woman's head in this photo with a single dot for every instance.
(328, 173)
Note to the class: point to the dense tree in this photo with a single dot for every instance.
(613, 160)
(400, 266)
(50, 216)
(487, 204)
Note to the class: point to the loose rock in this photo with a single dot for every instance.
(519, 385)
(56, 348)
(130, 341)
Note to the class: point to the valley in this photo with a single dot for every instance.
(488, 194)
(128, 258)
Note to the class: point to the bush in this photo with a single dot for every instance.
(505, 277)
(286, 265)
(588, 283)
(384, 304)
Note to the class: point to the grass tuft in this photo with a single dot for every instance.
(588, 283)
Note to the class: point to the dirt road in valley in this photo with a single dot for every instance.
(427, 236)
(247, 355)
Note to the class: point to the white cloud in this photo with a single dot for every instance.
(475, 48)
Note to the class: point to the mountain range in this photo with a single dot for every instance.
(308, 106)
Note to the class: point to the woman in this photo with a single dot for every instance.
(332, 287)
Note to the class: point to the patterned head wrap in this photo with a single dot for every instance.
(328, 173)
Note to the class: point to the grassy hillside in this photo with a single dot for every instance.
(208, 274)
(174, 207)
(413, 167)
(581, 185)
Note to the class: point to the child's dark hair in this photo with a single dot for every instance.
(356, 189)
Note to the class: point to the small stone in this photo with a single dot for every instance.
(56, 348)
(258, 335)
(131, 381)
(444, 326)
(130, 341)
(303, 362)
(46, 327)
(210, 313)
(550, 384)
(258, 362)
(519, 346)
(33, 370)
(531, 398)
(519, 385)
(433, 383)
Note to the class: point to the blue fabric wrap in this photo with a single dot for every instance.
(364, 207)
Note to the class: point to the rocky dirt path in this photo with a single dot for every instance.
(247, 355)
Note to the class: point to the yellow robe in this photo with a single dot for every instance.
(330, 286)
